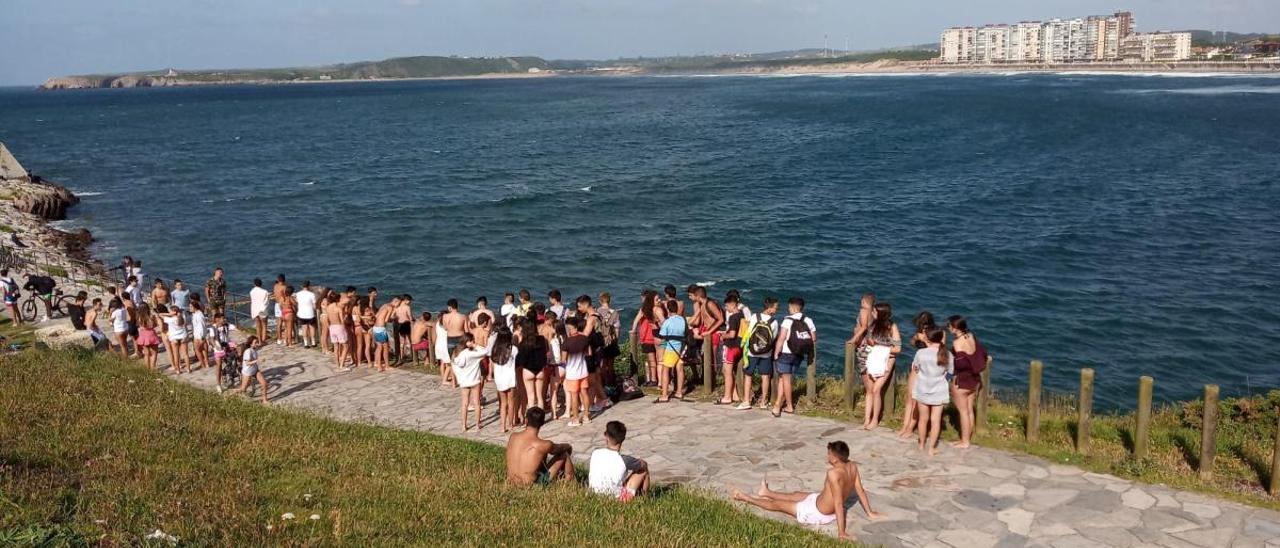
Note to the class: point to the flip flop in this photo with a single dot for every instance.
(660, 400)
(776, 414)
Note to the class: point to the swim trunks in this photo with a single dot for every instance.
(420, 346)
(577, 384)
(670, 358)
(380, 334)
(453, 343)
(338, 334)
(788, 364)
(807, 512)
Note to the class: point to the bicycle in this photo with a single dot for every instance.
(56, 305)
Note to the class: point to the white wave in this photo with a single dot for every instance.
(585, 189)
(1219, 90)
(84, 193)
(712, 283)
(308, 183)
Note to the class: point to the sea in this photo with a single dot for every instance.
(1126, 223)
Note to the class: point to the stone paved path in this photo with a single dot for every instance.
(966, 499)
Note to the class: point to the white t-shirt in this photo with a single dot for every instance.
(466, 367)
(575, 367)
(249, 362)
(198, 327)
(135, 293)
(306, 304)
(506, 311)
(177, 332)
(119, 320)
(258, 301)
(751, 326)
(608, 470)
(558, 310)
(786, 326)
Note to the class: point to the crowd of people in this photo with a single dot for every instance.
(551, 360)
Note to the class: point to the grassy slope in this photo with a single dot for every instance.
(95, 449)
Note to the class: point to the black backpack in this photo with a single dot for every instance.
(800, 341)
(760, 340)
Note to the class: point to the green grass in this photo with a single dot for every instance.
(7, 229)
(95, 450)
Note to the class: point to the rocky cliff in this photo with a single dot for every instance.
(90, 82)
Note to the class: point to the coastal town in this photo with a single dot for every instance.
(1093, 39)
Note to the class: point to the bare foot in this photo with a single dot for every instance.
(739, 495)
(764, 487)
(875, 516)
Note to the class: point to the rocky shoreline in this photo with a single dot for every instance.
(30, 244)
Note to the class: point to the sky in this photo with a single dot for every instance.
(45, 38)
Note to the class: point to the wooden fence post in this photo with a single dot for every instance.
(1275, 463)
(1086, 410)
(1209, 432)
(890, 396)
(811, 376)
(984, 397)
(708, 366)
(1142, 433)
(850, 378)
(639, 362)
(1033, 400)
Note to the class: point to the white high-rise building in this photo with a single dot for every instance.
(1096, 38)
(991, 44)
(1063, 41)
(1024, 42)
(1156, 47)
(957, 45)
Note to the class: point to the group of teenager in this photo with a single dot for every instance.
(193, 334)
(534, 351)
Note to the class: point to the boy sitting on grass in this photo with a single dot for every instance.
(614, 474)
(531, 459)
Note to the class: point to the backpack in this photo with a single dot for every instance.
(800, 340)
(760, 339)
(604, 325)
(629, 390)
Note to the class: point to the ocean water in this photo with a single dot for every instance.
(1129, 224)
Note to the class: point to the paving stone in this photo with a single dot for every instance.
(1017, 519)
(1043, 529)
(1137, 498)
(1261, 528)
(983, 501)
(1208, 537)
(960, 538)
(1098, 501)
(1206, 511)
(1009, 490)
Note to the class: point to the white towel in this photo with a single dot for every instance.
(878, 361)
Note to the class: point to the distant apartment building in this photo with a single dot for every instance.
(1095, 38)
(957, 45)
(1024, 45)
(1156, 47)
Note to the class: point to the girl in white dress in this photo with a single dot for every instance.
(502, 355)
(932, 364)
(442, 351)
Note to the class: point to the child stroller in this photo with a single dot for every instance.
(229, 357)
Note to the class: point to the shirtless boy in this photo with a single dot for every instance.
(418, 339)
(381, 338)
(455, 324)
(333, 313)
(532, 459)
(823, 507)
(279, 298)
(404, 321)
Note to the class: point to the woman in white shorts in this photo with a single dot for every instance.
(502, 355)
(251, 368)
(199, 332)
(175, 340)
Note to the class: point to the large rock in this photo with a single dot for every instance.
(43, 199)
(60, 334)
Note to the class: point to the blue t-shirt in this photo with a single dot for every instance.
(673, 327)
(181, 298)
